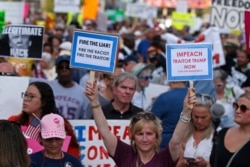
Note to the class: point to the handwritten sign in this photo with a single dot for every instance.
(94, 51)
(189, 62)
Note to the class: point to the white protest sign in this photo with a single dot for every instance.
(94, 51)
(14, 11)
(141, 10)
(65, 6)
(228, 15)
(189, 62)
(10, 95)
(93, 151)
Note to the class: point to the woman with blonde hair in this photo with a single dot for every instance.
(198, 138)
(145, 130)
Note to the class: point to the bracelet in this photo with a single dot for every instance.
(96, 106)
(184, 118)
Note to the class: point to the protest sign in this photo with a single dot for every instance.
(14, 11)
(94, 51)
(93, 151)
(189, 62)
(65, 6)
(228, 15)
(22, 41)
(210, 35)
(247, 30)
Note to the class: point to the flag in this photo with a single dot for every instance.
(33, 129)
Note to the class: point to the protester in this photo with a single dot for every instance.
(13, 147)
(168, 107)
(120, 107)
(232, 144)
(6, 69)
(143, 72)
(52, 136)
(145, 44)
(227, 94)
(39, 100)
(145, 130)
(199, 135)
(70, 100)
(106, 93)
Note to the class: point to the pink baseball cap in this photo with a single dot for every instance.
(52, 125)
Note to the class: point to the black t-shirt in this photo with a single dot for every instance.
(223, 155)
(111, 113)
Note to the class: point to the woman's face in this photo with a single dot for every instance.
(52, 146)
(144, 78)
(242, 117)
(32, 101)
(201, 117)
(219, 85)
(145, 140)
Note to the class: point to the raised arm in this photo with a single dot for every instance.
(182, 125)
(109, 139)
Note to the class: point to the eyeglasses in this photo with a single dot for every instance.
(7, 74)
(146, 78)
(204, 99)
(28, 97)
(63, 67)
(242, 107)
(145, 115)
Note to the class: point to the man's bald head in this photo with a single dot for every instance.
(7, 68)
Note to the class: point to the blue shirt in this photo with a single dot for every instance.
(39, 160)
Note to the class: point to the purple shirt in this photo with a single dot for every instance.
(126, 157)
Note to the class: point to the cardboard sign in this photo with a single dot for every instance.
(94, 51)
(189, 62)
(22, 41)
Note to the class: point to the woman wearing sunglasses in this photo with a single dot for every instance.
(233, 145)
(145, 130)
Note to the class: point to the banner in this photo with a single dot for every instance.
(229, 15)
(14, 11)
(247, 30)
(22, 41)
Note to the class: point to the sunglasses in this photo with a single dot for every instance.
(242, 107)
(147, 116)
(146, 78)
(204, 99)
(7, 74)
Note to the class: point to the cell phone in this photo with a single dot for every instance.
(189, 158)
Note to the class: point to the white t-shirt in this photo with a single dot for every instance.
(203, 149)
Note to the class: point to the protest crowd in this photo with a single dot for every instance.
(163, 120)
